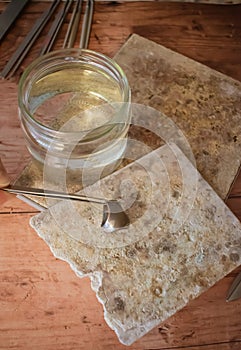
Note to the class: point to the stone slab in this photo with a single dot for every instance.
(182, 240)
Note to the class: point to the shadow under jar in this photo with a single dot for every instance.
(74, 107)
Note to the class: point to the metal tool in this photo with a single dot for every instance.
(86, 26)
(114, 218)
(234, 291)
(10, 14)
(73, 25)
(55, 27)
(27, 43)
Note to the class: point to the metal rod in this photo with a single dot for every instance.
(52, 194)
(51, 36)
(234, 291)
(86, 27)
(26, 44)
(73, 25)
(10, 14)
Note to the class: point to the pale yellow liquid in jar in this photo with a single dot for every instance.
(71, 94)
(77, 98)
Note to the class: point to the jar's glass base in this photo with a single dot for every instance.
(74, 174)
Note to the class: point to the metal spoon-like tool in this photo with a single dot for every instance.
(114, 218)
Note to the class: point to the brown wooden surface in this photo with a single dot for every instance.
(43, 305)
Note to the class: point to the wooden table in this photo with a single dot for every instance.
(43, 304)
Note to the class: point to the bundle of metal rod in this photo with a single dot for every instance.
(51, 36)
(72, 27)
(70, 37)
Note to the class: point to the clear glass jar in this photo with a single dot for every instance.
(74, 107)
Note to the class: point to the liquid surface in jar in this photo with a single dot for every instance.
(75, 99)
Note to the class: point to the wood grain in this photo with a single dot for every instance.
(207, 33)
(43, 304)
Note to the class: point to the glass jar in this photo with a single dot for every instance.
(74, 107)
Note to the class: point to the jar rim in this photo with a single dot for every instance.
(67, 55)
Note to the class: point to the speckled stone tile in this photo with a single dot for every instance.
(203, 103)
(182, 239)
